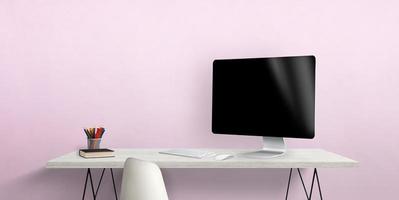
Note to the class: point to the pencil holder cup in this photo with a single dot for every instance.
(93, 143)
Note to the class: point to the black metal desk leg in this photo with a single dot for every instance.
(113, 183)
(314, 177)
(99, 182)
(288, 187)
(95, 193)
(303, 183)
(84, 188)
(88, 176)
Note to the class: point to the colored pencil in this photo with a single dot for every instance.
(93, 133)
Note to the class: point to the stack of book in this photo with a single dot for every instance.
(96, 153)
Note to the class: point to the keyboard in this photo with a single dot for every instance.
(189, 153)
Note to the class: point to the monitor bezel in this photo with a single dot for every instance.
(308, 136)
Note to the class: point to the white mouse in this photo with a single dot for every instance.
(223, 157)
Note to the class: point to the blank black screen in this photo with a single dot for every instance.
(264, 96)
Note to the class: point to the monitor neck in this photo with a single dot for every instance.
(273, 144)
(272, 147)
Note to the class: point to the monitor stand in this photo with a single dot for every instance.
(272, 147)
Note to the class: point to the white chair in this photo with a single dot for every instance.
(142, 180)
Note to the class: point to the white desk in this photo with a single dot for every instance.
(294, 158)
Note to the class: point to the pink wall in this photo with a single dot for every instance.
(143, 70)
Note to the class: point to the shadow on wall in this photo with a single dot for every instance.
(193, 184)
(60, 184)
(215, 184)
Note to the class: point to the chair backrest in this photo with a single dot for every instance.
(142, 180)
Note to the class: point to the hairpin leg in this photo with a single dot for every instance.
(288, 187)
(95, 193)
(314, 177)
(92, 185)
(113, 183)
(84, 188)
(318, 184)
(303, 183)
(99, 182)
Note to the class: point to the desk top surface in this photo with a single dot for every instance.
(293, 158)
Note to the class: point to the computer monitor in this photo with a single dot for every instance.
(269, 97)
